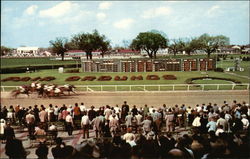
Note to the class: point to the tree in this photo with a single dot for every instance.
(176, 46)
(90, 42)
(5, 50)
(150, 42)
(189, 45)
(59, 46)
(211, 43)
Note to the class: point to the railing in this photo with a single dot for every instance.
(147, 88)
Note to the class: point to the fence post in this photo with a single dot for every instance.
(101, 88)
(247, 86)
(3, 88)
(144, 87)
(188, 87)
(87, 88)
(130, 88)
(203, 87)
(159, 87)
(115, 87)
(233, 86)
(173, 88)
(218, 86)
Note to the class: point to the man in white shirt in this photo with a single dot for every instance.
(82, 108)
(30, 120)
(245, 122)
(129, 136)
(128, 119)
(107, 112)
(56, 112)
(85, 124)
(219, 130)
(113, 125)
(69, 124)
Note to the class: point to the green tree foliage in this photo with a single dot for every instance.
(59, 46)
(211, 43)
(90, 42)
(150, 42)
(189, 45)
(5, 50)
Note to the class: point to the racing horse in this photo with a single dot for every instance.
(21, 90)
(68, 88)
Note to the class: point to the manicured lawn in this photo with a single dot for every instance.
(19, 62)
(231, 63)
(60, 78)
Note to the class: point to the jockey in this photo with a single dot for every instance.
(66, 86)
(22, 89)
(50, 88)
(57, 90)
(38, 85)
(33, 84)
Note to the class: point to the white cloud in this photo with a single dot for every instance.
(31, 10)
(59, 10)
(156, 12)
(124, 23)
(101, 16)
(105, 5)
(212, 11)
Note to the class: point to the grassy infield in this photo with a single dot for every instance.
(181, 76)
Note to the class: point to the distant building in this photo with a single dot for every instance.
(80, 53)
(31, 50)
(229, 49)
(125, 52)
(159, 52)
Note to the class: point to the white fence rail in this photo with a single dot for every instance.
(146, 88)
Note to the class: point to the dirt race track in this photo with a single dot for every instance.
(133, 98)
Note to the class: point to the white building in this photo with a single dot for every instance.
(26, 50)
(159, 52)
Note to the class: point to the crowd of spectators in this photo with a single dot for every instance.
(210, 130)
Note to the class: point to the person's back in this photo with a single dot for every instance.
(42, 151)
(14, 149)
(9, 132)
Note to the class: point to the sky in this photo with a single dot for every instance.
(35, 23)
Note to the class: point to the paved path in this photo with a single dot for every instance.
(234, 74)
(133, 98)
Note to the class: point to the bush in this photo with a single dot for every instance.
(118, 78)
(152, 77)
(36, 79)
(218, 69)
(48, 78)
(231, 57)
(25, 79)
(73, 78)
(16, 79)
(73, 71)
(190, 80)
(169, 77)
(104, 78)
(136, 78)
(89, 78)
